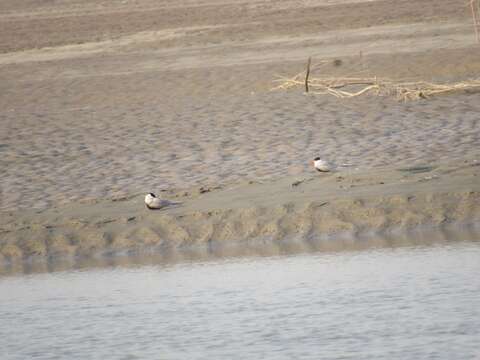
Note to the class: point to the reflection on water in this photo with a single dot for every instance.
(395, 302)
(418, 237)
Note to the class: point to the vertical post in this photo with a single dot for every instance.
(307, 74)
(475, 22)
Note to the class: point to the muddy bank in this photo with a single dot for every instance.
(345, 204)
(97, 95)
(158, 97)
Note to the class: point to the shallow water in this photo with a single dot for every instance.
(410, 302)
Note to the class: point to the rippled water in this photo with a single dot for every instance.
(391, 303)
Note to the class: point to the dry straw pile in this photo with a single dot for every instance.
(348, 87)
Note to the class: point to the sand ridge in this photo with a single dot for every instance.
(78, 23)
(168, 44)
(316, 208)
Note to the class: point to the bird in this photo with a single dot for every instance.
(321, 165)
(153, 203)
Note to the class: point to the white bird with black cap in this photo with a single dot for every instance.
(321, 165)
(153, 203)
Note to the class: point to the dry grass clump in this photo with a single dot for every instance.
(348, 87)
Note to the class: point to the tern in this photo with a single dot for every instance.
(321, 165)
(152, 202)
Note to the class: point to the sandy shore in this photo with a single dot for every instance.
(293, 211)
(103, 101)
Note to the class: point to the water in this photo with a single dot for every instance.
(391, 303)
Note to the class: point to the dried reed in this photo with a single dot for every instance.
(348, 87)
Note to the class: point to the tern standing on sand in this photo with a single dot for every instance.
(321, 165)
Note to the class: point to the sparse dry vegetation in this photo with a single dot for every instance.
(351, 86)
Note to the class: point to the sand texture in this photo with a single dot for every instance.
(299, 211)
(101, 101)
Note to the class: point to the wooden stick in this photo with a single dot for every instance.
(475, 23)
(478, 13)
(307, 74)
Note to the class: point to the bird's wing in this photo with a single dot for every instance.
(161, 203)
